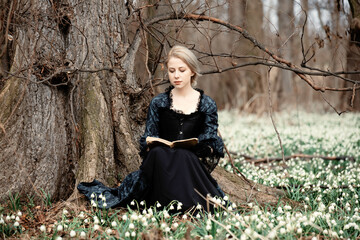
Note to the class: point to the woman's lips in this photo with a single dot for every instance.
(177, 82)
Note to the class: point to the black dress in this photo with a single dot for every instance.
(168, 174)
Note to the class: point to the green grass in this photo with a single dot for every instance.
(328, 190)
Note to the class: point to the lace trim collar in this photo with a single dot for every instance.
(171, 107)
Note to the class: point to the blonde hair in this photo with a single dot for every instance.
(187, 57)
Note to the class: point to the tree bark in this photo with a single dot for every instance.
(351, 101)
(285, 45)
(72, 109)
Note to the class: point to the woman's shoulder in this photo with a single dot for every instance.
(207, 103)
(160, 100)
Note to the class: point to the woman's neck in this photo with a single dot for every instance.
(185, 91)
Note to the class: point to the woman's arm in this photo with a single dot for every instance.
(210, 136)
(152, 126)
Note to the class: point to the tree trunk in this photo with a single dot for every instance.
(352, 100)
(71, 109)
(286, 31)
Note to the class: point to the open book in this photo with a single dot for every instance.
(185, 143)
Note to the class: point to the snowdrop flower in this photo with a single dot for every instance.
(133, 234)
(142, 203)
(166, 214)
(81, 215)
(124, 217)
(12, 217)
(208, 227)
(282, 231)
(131, 226)
(184, 217)
(198, 206)
(179, 206)
(104, 204)
(92, 195)
(17, 218)
(7, 218)
(16, 224)
(65, 211)
(171, 207)
(134, 217)
(42, 228)
(82, 235)
(2, 221)
(175, 226)
(113, 224)
(158, 205)
(96, 221)
(72, 233)
(96, 227)
(59, 228)
(19, 213)
(59, 238)
(132, 203)
(127, 234)
(108, 231)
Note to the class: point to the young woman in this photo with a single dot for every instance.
(168, 174)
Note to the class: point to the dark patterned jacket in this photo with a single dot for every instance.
(207, 106)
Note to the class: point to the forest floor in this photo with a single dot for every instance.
(320, 170)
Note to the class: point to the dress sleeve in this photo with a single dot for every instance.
(210, 136)
(151, 128)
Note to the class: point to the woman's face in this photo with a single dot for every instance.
(179, 73)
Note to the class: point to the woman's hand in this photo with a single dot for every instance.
(202, 150)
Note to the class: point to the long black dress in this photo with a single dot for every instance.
(168, 174)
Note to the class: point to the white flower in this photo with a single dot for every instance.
(104, 204)
(96, 221)
(59, 227)
(81, 215)
(158, 205)
(16, 224)
(175, 225)
(17, 218)
(131, 226)
(59, 238)
(184, 217)
(7, 218)
(113, 224)
(167, 229)
(86, 221)
(42, 228)
(197, 216)
(198, 206)
(226, 198)
(142, 203)
(96, 227)
(134, 217)
(132, 203)
(124, 217)
(109, 231)
(72, 233)
(19, 213)
(133, 234)
(171, 207)
(208, 227)
(92, 195)
(65, 211)
(282, 231)
(82, 235)
(127, 234)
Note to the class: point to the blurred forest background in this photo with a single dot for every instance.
(315, 33)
